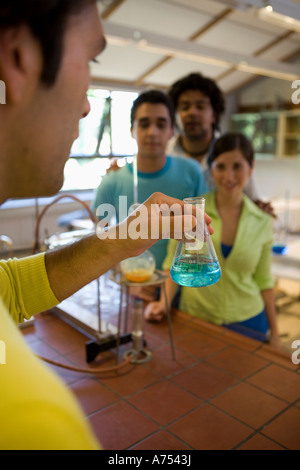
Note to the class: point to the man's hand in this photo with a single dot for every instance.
(113, 166)
(274, 341)
(73, 266)
(266, 207)
(160, 217)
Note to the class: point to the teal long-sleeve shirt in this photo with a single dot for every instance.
(245, 272)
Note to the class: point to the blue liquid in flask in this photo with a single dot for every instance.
(190, 272)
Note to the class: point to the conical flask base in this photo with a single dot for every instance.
(195, 263)
(190, 271)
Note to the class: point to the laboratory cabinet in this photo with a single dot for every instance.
(274, 134)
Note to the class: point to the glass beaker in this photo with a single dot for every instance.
(195, 263)
(139, 268)
(280, 239)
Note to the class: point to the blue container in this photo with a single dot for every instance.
(280, 249)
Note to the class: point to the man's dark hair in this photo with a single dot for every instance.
(232, 141)
(197, 82)
(153, 97)
(47, 21)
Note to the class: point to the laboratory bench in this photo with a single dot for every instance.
(222, 391)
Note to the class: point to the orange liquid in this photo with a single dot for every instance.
(138, 275)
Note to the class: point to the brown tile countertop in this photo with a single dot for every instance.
(223, 391)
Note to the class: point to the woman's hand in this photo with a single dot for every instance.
(147, 293)
(274, 341)
(155, 311)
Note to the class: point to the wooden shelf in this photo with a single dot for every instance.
(274, 134)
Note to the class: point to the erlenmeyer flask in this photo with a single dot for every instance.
(195, 263)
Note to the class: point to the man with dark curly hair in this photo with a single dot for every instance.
(199, 105)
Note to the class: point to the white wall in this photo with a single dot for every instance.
(278, 181)
(275, 177)
(267, 91)
(19, 223)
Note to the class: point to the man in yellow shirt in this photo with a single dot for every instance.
(45, 49)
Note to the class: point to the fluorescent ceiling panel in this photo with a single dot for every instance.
(295, 38)
(158, 17)
(176, 68)
(123, 63)
(234, 38)
(234, 81)
(281, 50)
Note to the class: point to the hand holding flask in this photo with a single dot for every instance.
(195, 263)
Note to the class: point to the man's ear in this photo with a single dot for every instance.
(20, 63)
(133, 132)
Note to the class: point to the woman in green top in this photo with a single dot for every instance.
(243, 299)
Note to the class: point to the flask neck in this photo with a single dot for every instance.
(195, 201)
(196, 206)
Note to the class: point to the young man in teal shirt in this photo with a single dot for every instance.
(152, 125)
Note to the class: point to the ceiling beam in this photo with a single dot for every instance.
(152, 69)
(251, 80)
(259, 52)
(115, 4)
(284, 7)
(193, 37)
(211, 24)
(185, 49)
(113, 84)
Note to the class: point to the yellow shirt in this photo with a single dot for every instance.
(37, 411)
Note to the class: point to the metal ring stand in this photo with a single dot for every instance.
(141, 358)
(158, 278)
